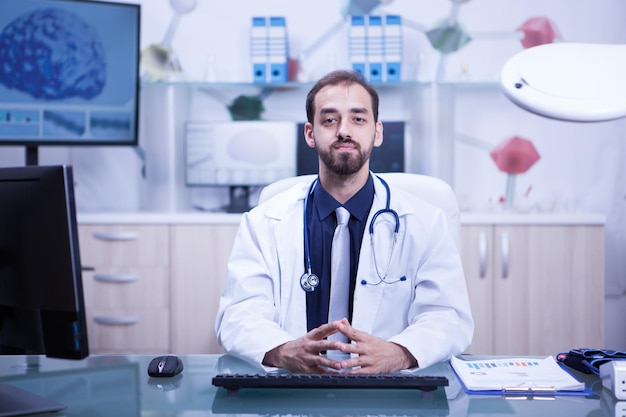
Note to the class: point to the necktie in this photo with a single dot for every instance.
(340, 271)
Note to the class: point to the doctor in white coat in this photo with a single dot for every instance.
(414, 314)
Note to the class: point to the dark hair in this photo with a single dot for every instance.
(340, 77)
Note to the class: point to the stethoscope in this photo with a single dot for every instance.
(309, 281)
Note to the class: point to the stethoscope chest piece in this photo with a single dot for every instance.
(309, 281)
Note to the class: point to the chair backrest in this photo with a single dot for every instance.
(431, 189)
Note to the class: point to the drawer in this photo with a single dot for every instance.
(119, 287)
(118, 245)
(128, 330)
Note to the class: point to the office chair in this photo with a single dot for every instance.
(430, 189)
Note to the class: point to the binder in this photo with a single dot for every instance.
(392, 48)
(258, 49)
(357, 45)
(277, 50)
(516, 376)
(374, 48)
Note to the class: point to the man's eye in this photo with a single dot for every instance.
(329, 120)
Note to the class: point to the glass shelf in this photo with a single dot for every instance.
(299, 85)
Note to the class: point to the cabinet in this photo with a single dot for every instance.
(154, 287)
(126, 287)
(534, 289)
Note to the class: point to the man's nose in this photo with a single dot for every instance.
(344, 130)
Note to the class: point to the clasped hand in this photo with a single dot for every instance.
(369, 354)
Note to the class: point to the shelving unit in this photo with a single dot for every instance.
(428, 107)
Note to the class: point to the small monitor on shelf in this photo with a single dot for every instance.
(390, 157)
(69, 73)
(239, 155)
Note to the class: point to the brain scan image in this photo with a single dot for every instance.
(52, 54)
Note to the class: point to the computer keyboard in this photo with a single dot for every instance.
(336, 380)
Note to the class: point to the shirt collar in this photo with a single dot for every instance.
(358, 206)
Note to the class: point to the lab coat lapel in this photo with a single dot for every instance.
(290, 252)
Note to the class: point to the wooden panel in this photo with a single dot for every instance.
(199, 258)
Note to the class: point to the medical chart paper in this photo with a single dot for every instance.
(515, 375)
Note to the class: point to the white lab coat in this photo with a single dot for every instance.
(263, 306)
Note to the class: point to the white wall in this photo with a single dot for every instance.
(581, 166)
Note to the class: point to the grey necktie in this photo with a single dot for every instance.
(340, 271)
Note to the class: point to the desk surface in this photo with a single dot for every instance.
(119, 386)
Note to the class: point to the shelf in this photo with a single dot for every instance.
(298, 85)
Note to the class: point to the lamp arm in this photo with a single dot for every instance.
(320, 41)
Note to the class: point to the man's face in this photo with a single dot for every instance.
(344, 131)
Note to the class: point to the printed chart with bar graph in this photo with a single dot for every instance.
(507, 374)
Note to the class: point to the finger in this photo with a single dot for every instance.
(323, 331)
(350, 332)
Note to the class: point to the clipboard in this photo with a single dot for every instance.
(517, 377)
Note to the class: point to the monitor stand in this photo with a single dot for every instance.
(17, 402)
(31, 155)
(239, 199)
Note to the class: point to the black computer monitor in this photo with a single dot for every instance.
(390, 157)
(69, 73)
(42, 309)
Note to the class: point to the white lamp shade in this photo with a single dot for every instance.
(580, 82)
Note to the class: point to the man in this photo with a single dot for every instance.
(406, 306)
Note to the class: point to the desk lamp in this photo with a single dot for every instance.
(580, 82)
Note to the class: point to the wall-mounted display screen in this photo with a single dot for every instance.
(69, 72)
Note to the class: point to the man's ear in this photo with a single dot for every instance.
(308, 135)
(378, 138)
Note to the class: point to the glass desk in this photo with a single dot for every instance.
(119, 385)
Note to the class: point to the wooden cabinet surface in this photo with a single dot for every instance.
(199, 254)
(535, 289)
(126, 287)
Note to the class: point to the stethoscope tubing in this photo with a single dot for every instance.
(309, 281)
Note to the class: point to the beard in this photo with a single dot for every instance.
(344, 163)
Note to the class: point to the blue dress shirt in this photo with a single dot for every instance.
(322, 221)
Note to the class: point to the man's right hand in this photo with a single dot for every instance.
(302, 355)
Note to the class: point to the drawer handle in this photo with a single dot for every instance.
(482, 254)
(506, 253)
(121, 278)
(116, 236)
(116, 321)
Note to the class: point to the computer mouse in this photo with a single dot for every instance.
(165, 366)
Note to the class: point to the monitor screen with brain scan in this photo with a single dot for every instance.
(69, 72)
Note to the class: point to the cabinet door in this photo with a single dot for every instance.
(535, 290)
(199, 257)
(558, 289)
